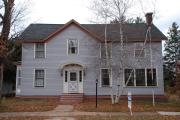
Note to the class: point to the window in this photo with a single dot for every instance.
(39, 50)
(73, 76)
(19, 76)
(66, 76)
(129, 75)
(139, 51)
(72, 46)
(151, 77)
(39, 78)
(103, 50)
(80, 76)
(105, 74)
(140, 77)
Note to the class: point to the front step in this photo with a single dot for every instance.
(71, 98)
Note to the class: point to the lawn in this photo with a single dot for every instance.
(28, 105)
(157, 117)
(137, 106)
(23, 118)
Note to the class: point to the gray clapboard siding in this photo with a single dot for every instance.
(56, 55)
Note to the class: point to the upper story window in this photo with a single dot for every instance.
(105, 53)
(139, 51)
(40, 50)
(72, 46)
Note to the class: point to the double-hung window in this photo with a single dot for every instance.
(105, 77)
(139, 51)
(72, 46)
(40, 50)
(19, 76)
(106, 51)
(39, 78)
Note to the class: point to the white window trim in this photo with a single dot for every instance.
(35, 51)
(34, 78)
(145, 78)
(67, 50)
(135, 44)
(110, 82)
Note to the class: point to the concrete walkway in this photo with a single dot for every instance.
(169, 113)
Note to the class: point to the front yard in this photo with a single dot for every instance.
(157, 117)
(137, 106)
(28, 105)
(38, 105)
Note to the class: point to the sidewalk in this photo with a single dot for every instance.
(72, 114)
(68, 111)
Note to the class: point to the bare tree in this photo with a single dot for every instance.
(106, 11)
(10, 16)
(109, 10)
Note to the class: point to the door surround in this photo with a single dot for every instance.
(72, 75)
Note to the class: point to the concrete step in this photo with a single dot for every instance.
(71, 98)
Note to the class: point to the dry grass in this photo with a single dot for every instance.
(23, 118)
(157, 117)
(137, 106)
(27, 105)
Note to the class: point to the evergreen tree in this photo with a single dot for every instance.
(171, 54)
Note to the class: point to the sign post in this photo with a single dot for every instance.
(130, 102)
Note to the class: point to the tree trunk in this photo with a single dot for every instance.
(1, 80)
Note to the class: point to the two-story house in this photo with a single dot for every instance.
(66, 59)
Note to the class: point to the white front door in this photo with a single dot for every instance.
(73, 82)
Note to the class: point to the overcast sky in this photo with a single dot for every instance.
(61, 11)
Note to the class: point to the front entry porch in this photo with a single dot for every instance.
(72, 74)
(73, 78)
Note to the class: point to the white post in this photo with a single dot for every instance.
(153, 97)
(130, 102)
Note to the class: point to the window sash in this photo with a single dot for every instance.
(151, 79)
(103, 50)
(39, 78)
(139, 50)
(127, 75)
(39, 50)
(72, 46)
(80, 76)
(140, 77)
(105, 80)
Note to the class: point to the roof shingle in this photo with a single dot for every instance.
(132, 32)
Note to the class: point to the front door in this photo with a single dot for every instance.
(73, 82)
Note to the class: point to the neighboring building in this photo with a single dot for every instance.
(60, 59)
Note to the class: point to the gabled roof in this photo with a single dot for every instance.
(132, 32)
